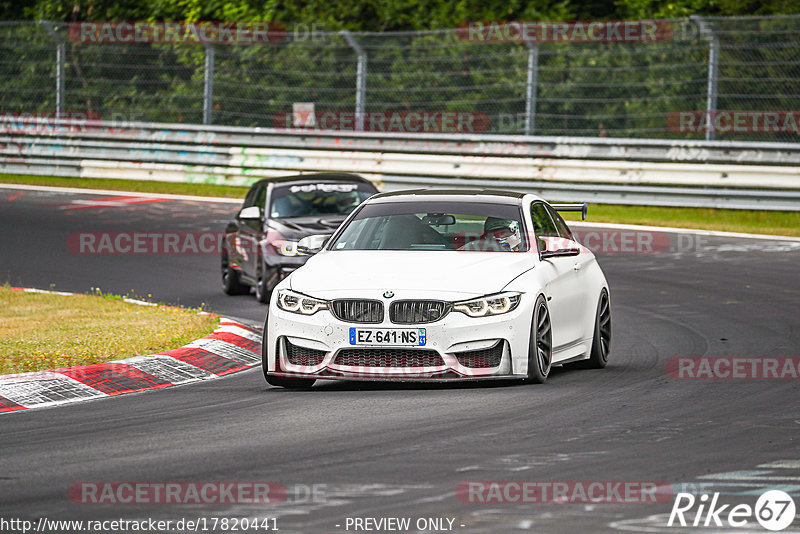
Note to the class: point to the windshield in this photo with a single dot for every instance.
(473, 226)
(306, 200)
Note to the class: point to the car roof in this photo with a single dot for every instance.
(466, 195)
(316, 177)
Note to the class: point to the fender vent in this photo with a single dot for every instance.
(482, 358)
(303, 356)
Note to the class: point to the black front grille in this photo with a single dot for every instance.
(358, 311)
(389, 358)
(482, 358)
(303, 356)
(418, 311)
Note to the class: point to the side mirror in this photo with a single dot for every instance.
(310, 245)
(544, 253)
(251, 212)
(542, 244)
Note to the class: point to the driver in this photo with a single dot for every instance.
(504, 232)
(498, 234)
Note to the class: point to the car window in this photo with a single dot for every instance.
(308, 200)
(261, 198)
(250, 198)
(447, 226)
(561, 225)
(543, 225)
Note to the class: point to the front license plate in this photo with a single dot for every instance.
(410, 337)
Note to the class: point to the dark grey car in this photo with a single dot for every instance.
(260, 245)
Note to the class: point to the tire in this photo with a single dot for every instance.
(264, 363)
(263, 291)
(601, 342)
(230, 280)
(540, 349)
(288, 383)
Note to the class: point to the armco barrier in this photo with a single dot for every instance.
(670, 173)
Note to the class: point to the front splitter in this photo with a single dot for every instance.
(435, 378)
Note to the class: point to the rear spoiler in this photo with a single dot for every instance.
(583, 208)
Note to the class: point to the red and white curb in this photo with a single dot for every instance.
(231, 347)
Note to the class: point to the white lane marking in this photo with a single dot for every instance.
(751, 478)
(670, 229)
(138, 302)
(651, 523)
(114, 202)
(782, 464)
(757, 489)
(468, 468)
(781, 246)
(47, 291)
(746, 475)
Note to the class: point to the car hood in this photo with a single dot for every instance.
(448, 275)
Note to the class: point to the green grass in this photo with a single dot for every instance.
(41, 331)
(757, 222)
(201, 190)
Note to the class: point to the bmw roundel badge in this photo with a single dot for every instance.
(388, 294)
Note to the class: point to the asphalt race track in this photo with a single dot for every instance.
(384, 451)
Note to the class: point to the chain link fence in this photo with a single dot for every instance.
(698, 78)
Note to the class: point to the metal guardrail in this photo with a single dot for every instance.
(669, 173)
(421, 143)
(726, 198)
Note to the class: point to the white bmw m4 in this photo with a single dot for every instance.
(440, 285)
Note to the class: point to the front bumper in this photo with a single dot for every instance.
(441, 378)
(279, 267)
(285, 264)
(457, 348)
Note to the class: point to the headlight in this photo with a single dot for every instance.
(490, 305)
(285, 248)
(297, 303)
